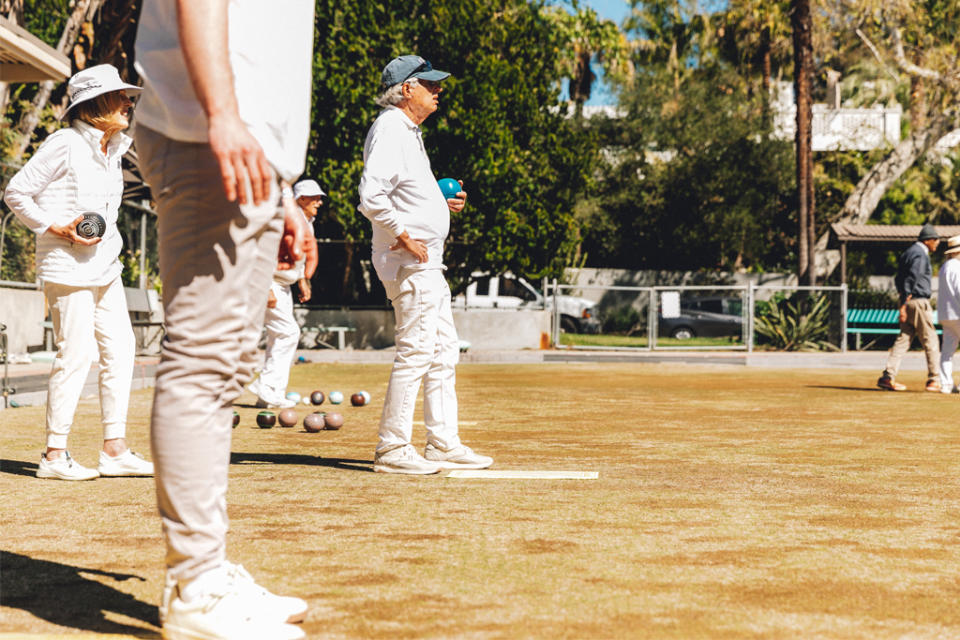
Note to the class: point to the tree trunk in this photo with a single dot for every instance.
(803, 84)
(31, 115)
(862, 202)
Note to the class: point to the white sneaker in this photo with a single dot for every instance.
(64, 468)
(288, 609)
(231, 606)
(404, 459)
(127, 463)
(461, 457)
(282, 403)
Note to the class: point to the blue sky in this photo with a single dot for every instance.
(615, 10)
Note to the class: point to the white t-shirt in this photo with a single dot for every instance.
(948, 290)
(398, 192)
(68, 176)
(271, 54)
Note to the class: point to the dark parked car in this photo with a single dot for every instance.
(713, 316)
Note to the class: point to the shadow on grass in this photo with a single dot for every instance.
(842, 388)
(19, 467)
(347, 464)
(59, 594)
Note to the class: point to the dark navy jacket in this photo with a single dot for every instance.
(914, 273)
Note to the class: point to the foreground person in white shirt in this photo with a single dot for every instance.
(75, 171)
(411, 220)
(283, 332)
(225, 112)
(948, 311)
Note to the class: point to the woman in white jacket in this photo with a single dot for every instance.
(77, 171)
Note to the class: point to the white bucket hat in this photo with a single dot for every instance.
(307, 188)
(953, 245)
(92, 82)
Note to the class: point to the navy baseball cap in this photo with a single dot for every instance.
(405, 67)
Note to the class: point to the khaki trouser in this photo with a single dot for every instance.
(216, 260)
(919, 323)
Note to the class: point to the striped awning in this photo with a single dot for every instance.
(883, 233)
(26, 58)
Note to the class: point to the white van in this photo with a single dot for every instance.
(511, 292)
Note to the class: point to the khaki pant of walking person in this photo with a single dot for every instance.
(88, 321)
(216, 261)
(919, 323)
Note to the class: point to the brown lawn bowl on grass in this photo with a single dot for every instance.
(730, 503)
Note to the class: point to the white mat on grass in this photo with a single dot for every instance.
(524, 475)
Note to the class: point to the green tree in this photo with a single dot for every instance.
(694, 182)
(500, 129)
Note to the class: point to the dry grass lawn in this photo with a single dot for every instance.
(731, 503)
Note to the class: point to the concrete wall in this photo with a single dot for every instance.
(22, 310)
(502, 328)
(374, 328)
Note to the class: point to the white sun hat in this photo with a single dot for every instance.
(94, 81)
(953, 246)
(307, 188)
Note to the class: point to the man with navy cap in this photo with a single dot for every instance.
(411, 219)
(916, 315)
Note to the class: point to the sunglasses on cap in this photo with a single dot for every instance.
(426, 66)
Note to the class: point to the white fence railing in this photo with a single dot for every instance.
(649, 300)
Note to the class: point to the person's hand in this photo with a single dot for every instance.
(903, 313)
(415, 247)
(295, 237)
(271, 300)
(303, 285)
(69, 232)
(241, 159)
(457, 204)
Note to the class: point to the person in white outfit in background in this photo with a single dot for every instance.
(75, 171)
(283, 332)
(948, 312)
(411, 219)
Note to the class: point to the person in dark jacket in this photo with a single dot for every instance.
(916, 315)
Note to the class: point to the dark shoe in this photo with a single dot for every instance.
(888, 383)
(933, 386)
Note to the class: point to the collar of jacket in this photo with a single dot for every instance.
(118, 145)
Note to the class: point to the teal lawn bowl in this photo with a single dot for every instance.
(449, 187)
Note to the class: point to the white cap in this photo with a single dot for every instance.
(95, 81)
(307, 188)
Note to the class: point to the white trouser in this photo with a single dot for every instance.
(283, 337)
(951, 338)
(428, 350)
(88, 320)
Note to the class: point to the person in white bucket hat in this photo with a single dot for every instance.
(76, 171)
(948, 310)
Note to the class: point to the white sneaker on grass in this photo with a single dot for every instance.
(461, 457)
(127, 463)
(404, 459)
(230, 605)
(64, 468)
(276, 403)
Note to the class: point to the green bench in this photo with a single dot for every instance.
(876, 321)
